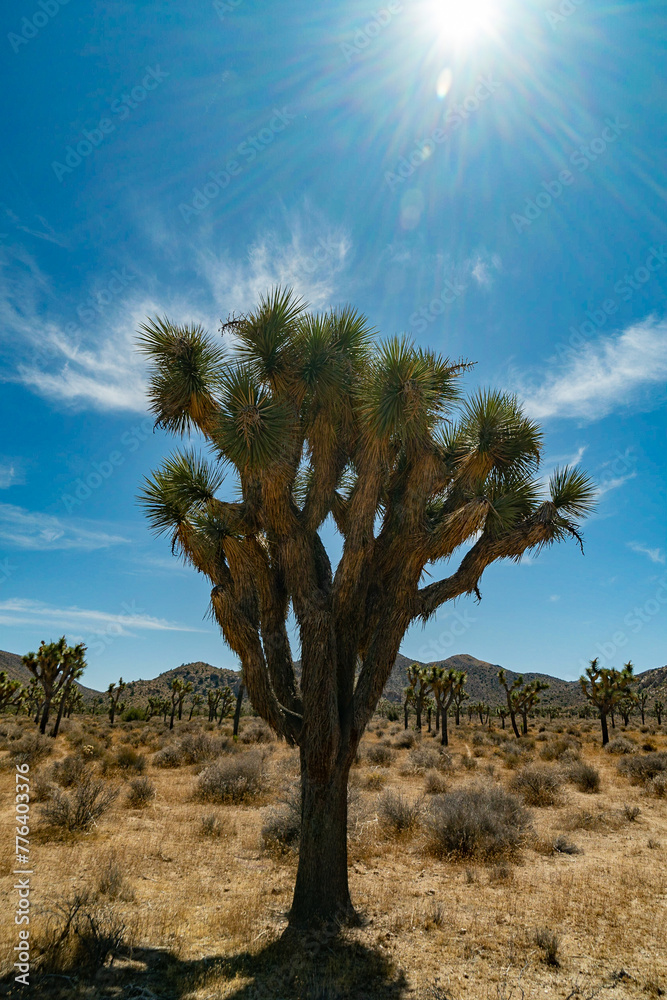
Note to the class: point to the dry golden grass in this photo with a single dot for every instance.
(204, 912)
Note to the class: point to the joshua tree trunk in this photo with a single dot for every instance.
(428, 718)
(418, 709)
(321, 893)
(45, 716)
(61, 707)
(605, 731)
(405, 716)
(237, 713)
(457, 714)
(444, 739)
(514, 725)
(613, 720)
(437, 720)
(524, 722)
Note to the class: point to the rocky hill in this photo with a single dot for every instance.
(13, 666)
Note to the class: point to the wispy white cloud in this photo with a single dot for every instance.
(19, 611)
(11, 474)
(29, 530)
(95, 364)
(655, 555)
(614, 484)
(610, 374)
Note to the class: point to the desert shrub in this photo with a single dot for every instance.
(379, 755)
(561, 845)
(423, 759)
(217, 826)
(621, 745)
(81, 808)
(169, 756)
(232, 779)
(134, 714)
(405, 740)
(112, 882)
(479, 739)
(196, 747)
(643, 769)
(480, 822)
(30, 749)
(434, 783)
(41, 790)
(539, 786)
(256, 732)
(631, 812)
(127, 759)
(649, 747)
(563, 746)
(140, 793)
(468, 762)
(548, 941)
(80, 934)
(281, 829)
(584, 777)
(375, 781)
(514, 756)
(397, 814)
(69, 771)
(658, 786)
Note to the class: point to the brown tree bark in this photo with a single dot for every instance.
(237, 712)
(605, 731)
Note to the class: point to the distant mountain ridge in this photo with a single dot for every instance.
(482, 683)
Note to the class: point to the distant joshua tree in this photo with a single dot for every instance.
(658, 708)
(226, 702)
(114, 692)
(418, 681)
(11, 692)
(642, 700)
(521, 698)
(52, 665)
(605, 687)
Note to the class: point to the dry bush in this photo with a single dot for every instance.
(30, 749)
(549, 943)
(170, 756)
(397, 814)
(140, 793)
(597, 822)
(539, 786)
(112, 881)
(658, 786)
(434, 783)
(480, 822)
(217, 826)
(563, 746)
(257, 732)
(515, 756)
(405, 740)
(631, 812)
(423, 759)
(281, 830)
(379, 755)
(128, 759)
(233, 779)
(468, 762)
(641, 770)
(69, 771)
(621, 745)
(584, 777)
(81, 808)
(197, 747)
(375, 781)
(80, 934)
(561, 845)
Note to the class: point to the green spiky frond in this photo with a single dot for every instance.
(572, 492)
(494, 434)
(179, 491)
(266, 338)
(185, 374)
(253, 429)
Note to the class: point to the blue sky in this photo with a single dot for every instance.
(486, 176)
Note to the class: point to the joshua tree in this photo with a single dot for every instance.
(528, 698)
(196, 700)
(185, 690)
(658, 708)
(51, 665)
(315, 418)
(443, 684)
(76, 664)
(11, 692)
(512, 695)
(605, 687)
(213, 696)
(642, 701)
(74, 702)
(408, 695)
(501, 712)
(429, 705)
(226, 702)
(417, 680)
(460, 695)
(237, 711)
(176, 687)
(626, 707)
(114, 691)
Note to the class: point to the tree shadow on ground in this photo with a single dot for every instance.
(311, 967)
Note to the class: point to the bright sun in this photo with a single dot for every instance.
(461, 20)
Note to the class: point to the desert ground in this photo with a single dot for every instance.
(180, 887)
